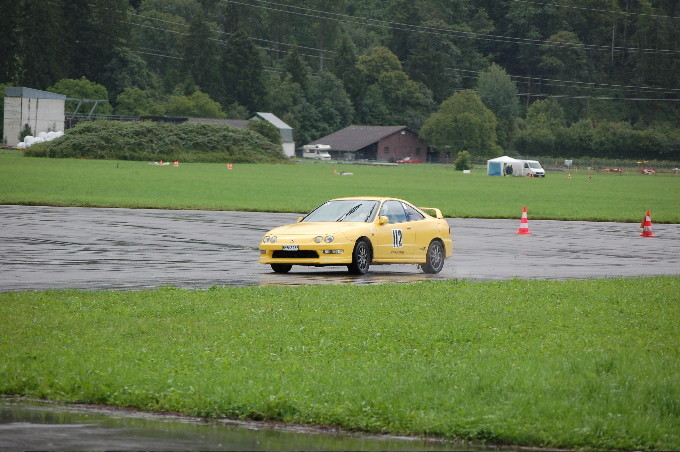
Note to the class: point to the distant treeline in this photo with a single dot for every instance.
(606, 140)
(322, 65)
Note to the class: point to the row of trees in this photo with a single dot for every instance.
(323, 65)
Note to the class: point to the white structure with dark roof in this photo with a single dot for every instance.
(285, 130)
(41, 111)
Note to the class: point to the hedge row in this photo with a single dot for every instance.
(153, 141)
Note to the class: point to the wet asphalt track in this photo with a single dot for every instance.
(127, 249)
(123, 249)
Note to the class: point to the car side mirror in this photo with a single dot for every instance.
(383, 219)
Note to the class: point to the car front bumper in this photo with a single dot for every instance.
(307, 254)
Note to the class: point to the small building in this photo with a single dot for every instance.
(285, 130)
(28, 108)
(374, 143)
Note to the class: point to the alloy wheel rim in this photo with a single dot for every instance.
(362, 256)
(436, 256)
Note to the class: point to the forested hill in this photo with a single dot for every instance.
(321, 65)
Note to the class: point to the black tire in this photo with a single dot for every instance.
(434, 258)
(281, 268)
(361, 258)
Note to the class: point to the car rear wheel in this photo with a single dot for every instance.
(434, 258)
(281, 268)
(361, 258)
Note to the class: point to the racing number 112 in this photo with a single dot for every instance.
(397, 238)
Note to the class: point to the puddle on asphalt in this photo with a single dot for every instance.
(37, 425)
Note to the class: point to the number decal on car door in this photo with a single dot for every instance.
(397, 238)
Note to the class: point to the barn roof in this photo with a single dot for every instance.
(20, 91)
(272, 118)
(352, 138)
(285, 130)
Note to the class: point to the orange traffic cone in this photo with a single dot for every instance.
(229, 166)
(176, 163)
(524, 223)
(646, 226)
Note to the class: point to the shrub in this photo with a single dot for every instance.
(266, 129)
(463, 161)
(26, 131)
(147, 140)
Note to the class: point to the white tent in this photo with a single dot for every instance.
(496, 167)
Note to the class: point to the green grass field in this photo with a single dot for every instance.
(553, 364)
(301, 187)
(576, 364)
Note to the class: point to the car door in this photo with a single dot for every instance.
(396, 238)
(423, 230)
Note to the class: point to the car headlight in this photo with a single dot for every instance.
(318, 239)
(273, 239)
(329, 239)
(265, 239)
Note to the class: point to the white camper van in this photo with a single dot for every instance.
(532, 168)
(316, 151)
(526, 168)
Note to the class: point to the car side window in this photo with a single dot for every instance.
(394, 211)
(411, 213)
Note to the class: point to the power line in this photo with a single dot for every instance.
(562, 96)
(231, 34)
(156, 28)
(158, 19)
(158, 55)
(157, 50)
(389, 24)
(609, 11)
(355, 20)
(541, 81)
(589, 85)
(225, 33)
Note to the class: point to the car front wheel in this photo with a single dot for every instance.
(281, 268)
(361, 258)
(434, 258)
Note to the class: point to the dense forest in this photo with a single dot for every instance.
(538, 77)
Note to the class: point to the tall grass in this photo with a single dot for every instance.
(301, 187)
(575, 364)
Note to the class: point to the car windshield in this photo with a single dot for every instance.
(534, 165)
(358, 210)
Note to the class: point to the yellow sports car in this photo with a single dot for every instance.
(358, 232)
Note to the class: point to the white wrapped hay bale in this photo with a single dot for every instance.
(42, 137)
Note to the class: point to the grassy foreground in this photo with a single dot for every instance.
(301, 187)
(572, 364)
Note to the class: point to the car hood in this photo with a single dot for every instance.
(317, 228)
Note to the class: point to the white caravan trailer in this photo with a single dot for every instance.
(316, 151)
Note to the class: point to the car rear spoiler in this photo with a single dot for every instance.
(437, 212)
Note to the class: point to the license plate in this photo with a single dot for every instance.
(290, 247)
